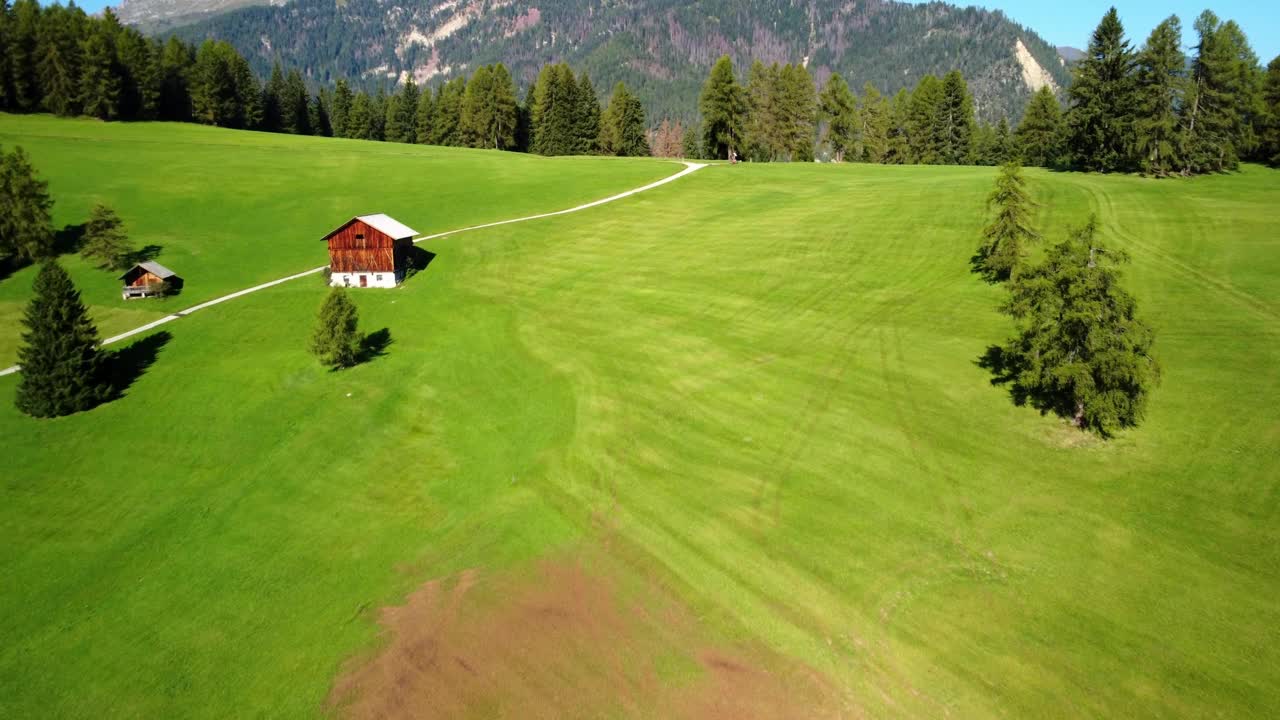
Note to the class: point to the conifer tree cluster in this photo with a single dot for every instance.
(1150, 110)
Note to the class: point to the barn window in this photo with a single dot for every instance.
(378, 277)
(359, 236)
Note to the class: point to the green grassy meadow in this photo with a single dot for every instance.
(232, 210)
(756, 385)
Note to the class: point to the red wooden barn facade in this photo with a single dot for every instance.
(369, 251)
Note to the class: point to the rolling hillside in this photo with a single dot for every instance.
(710, 451)
(662, 48)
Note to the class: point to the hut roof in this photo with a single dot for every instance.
(388, 225)
(154, 268)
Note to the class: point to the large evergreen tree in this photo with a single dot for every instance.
(1040, 134)
(58, 58)
(622, 130)
(446, 128)
(176, 62)
(26, 226)
(1270, 139)
(839, 107)
(62, 369)
(423, 116)
(407, 111)
(798, 107)
(336, 340)
(586, 117)
(876, 124)
(23, 42)
(955, 121)
(553, 116)
(924, 140)
(140, 78)
(762, 129)
(723, 108)
(359, 122)
(99, 78)
(1006, 237)
(273, 93)
(341, 111)
(489, 112)
(1223, 98)
(1080, 350)
(1100, 120)
(1161, 87)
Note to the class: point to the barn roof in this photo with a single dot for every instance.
(388, 225)
(154, 268)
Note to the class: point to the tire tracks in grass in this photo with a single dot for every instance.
(690, 167)
(1245, 300)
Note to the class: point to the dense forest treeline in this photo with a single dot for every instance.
(1151, 110)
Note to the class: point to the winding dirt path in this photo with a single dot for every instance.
(690, 167)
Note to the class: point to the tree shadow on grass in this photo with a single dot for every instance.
(126, 365)
(69, 239)
(143, 254)
(374, 345)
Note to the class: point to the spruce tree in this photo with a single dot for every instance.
(899, 130)
(877, 121)
(176, 62)
(1103, 101)
(26, 226)
(336, 340)
(489, 112)
(723, 108)
(1006, 237)
(318, 114)
(295, 105)
(378, 115)
(1004, 150)
(1080, 350)
(359, 122)
(394, 128)
(342, 99)
(423, 117)
(106, 243)
(586, 117)
(798, 104)
(407, 110)
(1223, 97)
(139, 63)
(762, 136)
(99, 79)
(554, 110)
(924, 127)
(23, 34)
(62, 369)
(58, 59)
(839, 107)
(691, 144)
(1161, 87)
(955, 121)
(622, 129)
(447, 122)
(273, 94)
(1040, 134)
(1270, 139)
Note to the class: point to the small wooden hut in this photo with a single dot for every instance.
(149, 279)
(369, 251)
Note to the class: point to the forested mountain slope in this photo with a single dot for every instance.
(661, 48)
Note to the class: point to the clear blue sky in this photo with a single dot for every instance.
(1069, 22)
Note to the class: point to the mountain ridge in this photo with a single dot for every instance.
(661, 48)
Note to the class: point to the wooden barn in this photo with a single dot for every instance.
(369, 251)
(147, 279)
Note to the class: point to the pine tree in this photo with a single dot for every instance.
(336, 340)
(877, 122)
(407, 110)
(423, 117)
(318, 116)
(6, 59)
(762, 139)
(1100, 120)
(106, 243)
(554, 111)
(723, 108)
(1040, 134)
(690, 144)
(139, 62)
(378, 115)
(99, 79)
(900, 130)
(273, 94)
(447, 123)
(294, 105)
(1005, 149)
(799, 107)
(1006, 238)
(176, 62)
(1223, 97)
(58, 58)
(622, 129)
(26, 226)
(1080, 350)
(342, 99)
(1161, 87)
(394, 128)
(1270, 139)
(839, 107)
(489, 109)
(955, 121)
(62, 370)
(359, 124)
(23, 43)
(586, 117)
(923, 124)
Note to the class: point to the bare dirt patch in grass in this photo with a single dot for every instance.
(564, 642)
